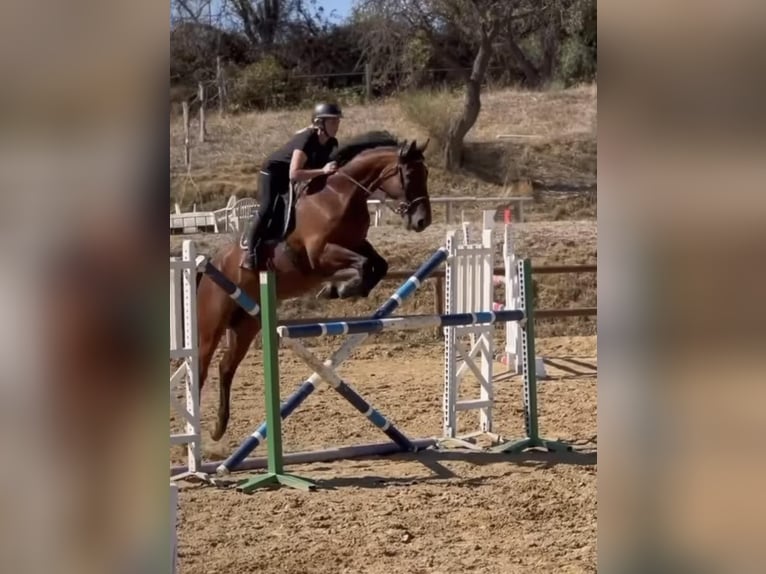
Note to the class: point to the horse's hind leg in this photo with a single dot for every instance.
(212, 319)
(337, 258)
(242, 335)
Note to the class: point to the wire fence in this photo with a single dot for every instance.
(249, 88)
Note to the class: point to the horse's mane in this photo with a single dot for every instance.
(362, 142)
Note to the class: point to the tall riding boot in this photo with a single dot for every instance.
(260, 225)
(253, 242)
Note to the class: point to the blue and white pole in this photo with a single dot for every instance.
(231, 289)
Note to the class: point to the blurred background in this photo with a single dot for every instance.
(84, 167)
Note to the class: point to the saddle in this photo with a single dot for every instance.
(282, 221)
(311, 186)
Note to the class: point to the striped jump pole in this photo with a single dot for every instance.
(407, 322)
(308, 386)
(231, 289)
(332, 378)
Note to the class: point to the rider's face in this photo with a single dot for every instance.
(331, 126)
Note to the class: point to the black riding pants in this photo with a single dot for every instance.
(272, 183)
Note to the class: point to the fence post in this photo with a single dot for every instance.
(368, 81)
(221, 82)
(187, 153)
(201, 98)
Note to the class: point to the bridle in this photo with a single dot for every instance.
(404, 206)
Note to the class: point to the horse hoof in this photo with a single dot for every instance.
(329, 291)
(353, 289)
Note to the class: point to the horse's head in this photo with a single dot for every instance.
(378, 163)
(410, 186)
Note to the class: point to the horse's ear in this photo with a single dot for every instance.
(411, 148)
(403, 149)
(425, 145)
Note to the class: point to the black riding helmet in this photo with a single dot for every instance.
(326, 110)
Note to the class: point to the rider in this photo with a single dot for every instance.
(304, 157)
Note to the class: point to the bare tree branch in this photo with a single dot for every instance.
(193, 10)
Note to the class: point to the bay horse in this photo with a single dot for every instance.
(329, 235)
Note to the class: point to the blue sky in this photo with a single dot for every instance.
(341, 7)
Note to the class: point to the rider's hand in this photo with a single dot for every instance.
(330, 167)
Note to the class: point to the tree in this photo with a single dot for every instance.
(265, 22)
(260, 20)
(195, 11)
(479, 20)
(408, 43)
(475, 22)
(552, 39)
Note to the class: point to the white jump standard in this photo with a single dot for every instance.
(469, 349)
(184, 347)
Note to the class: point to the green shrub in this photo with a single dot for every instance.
(416, 58)
(576, 63)
(263, 85)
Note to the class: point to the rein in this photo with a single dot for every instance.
(404, 206)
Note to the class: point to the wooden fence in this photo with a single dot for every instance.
(437, 278)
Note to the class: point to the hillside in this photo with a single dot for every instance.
(562, 159)
(558, 166)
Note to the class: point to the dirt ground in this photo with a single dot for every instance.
(432, 513)
(437, 512)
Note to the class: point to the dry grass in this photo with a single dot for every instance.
(432, 111)
(552, 115)
(563, 156)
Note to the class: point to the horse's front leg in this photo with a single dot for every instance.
(377, 270)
